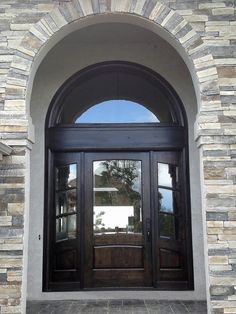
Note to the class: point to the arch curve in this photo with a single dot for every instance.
(36, 43)
(161, 90)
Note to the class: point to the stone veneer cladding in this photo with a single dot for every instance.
(207, 31)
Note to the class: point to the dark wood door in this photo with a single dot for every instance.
(117, 220)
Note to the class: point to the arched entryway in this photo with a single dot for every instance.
(99, 43)
(117, 210)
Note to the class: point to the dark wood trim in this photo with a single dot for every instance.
(108, 139)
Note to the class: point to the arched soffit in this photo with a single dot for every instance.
(71, 16)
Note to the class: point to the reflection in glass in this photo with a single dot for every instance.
(168, 201)
(117, 111)
(167, 175)
(117, 197)
(66, 177)
(71, 221)
(167, 225)
(66, 227)
(65, 202)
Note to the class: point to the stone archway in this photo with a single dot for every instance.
(195, 52)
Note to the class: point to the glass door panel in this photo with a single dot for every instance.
(120, 208)
(117, 214)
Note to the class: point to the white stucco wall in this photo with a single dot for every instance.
(82, 48)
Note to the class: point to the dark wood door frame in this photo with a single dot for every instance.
(84, 221)
(163, 142)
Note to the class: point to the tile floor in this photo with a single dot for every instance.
(116, 306)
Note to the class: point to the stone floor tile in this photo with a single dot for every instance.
(178, 308)
(116, 307)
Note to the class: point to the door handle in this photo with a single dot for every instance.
(148, 228)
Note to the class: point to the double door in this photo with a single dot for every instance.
(117, 220)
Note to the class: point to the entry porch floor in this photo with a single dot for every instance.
(116, 306)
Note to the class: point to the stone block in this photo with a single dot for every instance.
(222, 290)
(215, 224)
(214, 231)
(220, 268)
(121, 6)
(214, 173)
(230, 224)
(11, 310)
(86, 6)
(228, 310)
(147, 7)
(5, 221)
(14, 276)
(223, 11)
(9, 261)
(218, 260)
(10, 291)
(209, 5)
(227, 237)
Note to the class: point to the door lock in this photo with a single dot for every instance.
(148, 228)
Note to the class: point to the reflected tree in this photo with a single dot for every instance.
(122, 175)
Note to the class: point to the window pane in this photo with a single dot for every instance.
(66, 177)
(65, 202)
(165, 200)
(66, 227)
(61, 233)
(71, 221)
(117, 196)
(167, 225)
(169, 201)
(167, 175)
(117, 111)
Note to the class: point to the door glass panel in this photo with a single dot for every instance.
(117, 214)
(117, 197)
(167, 175)
(167, 225)
(61, 233)
(71, 221)
(66, 177)
(65, 202)
(168, 201)
(66, 227)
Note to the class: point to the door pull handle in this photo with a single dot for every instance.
(148, 226)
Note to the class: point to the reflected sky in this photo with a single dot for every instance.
(113, 216)
(117, 111)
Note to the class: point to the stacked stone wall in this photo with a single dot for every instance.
(207, 31)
